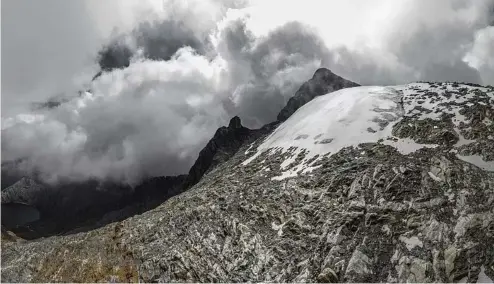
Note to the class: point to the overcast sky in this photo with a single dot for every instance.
(192, 65)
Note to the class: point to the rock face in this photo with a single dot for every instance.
(415, 205)
(225, 142)
(324, 81)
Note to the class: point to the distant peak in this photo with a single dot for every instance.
(324, 81)
(323, 72)
(235, 122)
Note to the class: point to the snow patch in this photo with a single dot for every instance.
(411, 242)
(344, 118)
(483, 278)
(352, 116)
(434, 177)
(477, 160)
(249, 149)
(462, 140)
(406, 145)
(284, 175)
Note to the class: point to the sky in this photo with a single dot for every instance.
(175, 71)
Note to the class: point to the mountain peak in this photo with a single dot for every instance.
(322, 82)
(225, 142)
(323, 72)
(235, 123)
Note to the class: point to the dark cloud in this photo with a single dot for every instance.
(115, 55)
(154, 116)
(457, 71)
(161, 40)
(51, 103)
(265, 72)
(364, 67)
(156, 40)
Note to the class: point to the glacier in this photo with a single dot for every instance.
(351, 116)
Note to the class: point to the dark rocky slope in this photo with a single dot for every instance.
(67, 206)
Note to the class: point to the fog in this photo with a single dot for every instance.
(175, 71)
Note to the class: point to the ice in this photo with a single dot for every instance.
(352, 116)
(337, 120)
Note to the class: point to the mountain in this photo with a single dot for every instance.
(364, 184)
(324, 81)
(225, 142)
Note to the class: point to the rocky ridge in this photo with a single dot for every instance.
(225, 142)
(415, 206)
(324, 81)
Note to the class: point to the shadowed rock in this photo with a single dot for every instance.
(324, 81)
(84, 204)
(225, 142)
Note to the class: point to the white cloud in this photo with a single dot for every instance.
(481, 56)
(154, 116)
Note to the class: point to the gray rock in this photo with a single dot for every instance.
(414, 270)
(449, 260)
(327, 276)
(359, 267)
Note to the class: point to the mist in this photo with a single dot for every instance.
(173, 72)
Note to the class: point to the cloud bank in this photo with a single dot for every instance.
(171, 80)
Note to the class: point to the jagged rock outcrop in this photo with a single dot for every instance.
(415, 205)
(26, 190)
(225, 142)
(324, 81)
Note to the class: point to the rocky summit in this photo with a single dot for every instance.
(363, 184)
(324, 81)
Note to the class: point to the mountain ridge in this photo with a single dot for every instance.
(322, 82)
(224, 143)
(291, 206)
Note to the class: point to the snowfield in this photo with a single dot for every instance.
(352, 116)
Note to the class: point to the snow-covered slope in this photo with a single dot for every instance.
(352, 116)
